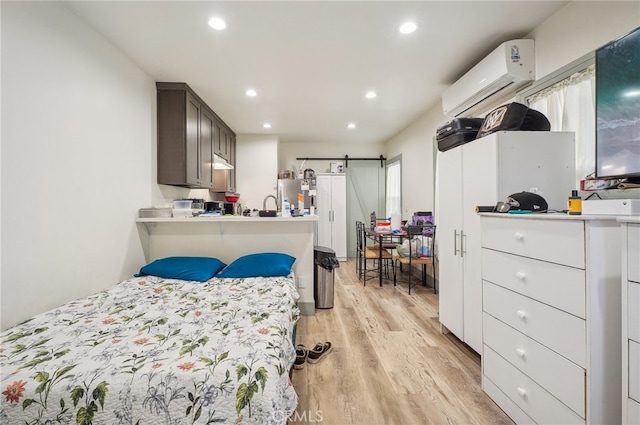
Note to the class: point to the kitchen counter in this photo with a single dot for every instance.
(230, 237)
(224, 219)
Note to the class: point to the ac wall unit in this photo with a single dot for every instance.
(502, 72)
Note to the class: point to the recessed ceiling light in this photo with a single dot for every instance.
(371, 94)
(351, 125)
(251, 93)
(266, 125)
(217, 23)
(408, 27)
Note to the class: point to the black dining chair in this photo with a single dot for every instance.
(371, 254)
(359, 247)
(427, 232)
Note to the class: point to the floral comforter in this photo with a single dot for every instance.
(156, 351)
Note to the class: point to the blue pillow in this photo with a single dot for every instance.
(198, 269)
(265, 264)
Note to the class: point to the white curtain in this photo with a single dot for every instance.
(394, 189)
(570, 106)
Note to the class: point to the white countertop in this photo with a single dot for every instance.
(553, 216)
(225, 219)
(628, 219)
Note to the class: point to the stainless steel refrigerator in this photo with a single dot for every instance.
(290, 189)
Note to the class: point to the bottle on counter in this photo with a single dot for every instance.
(286, 208)
(575, 203)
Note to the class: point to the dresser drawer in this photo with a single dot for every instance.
(534, 400)
(633, 252)
(509, 407)
(560, 242)
(563, 379)
(559, 286)
(556, 329)
(633, 311)
(634, 370)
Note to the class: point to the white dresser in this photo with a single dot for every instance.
(630, 320)
(551, 317)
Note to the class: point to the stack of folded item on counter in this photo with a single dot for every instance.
(383, 227)
(182, 208)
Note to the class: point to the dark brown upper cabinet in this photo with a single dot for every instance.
(189, 133)
(225, 180)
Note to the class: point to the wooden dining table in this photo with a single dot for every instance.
(384, 237)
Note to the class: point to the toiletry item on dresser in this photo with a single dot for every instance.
(575, 203)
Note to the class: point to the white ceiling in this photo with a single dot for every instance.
(311, 62)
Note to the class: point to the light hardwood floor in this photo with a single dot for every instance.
(390, 363)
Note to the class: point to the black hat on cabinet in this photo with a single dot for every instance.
(513, 116)
(527, 201)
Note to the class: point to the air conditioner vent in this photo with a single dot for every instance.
(509, 67)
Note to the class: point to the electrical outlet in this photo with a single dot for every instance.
(301, 282)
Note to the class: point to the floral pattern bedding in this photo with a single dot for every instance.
(156, 351)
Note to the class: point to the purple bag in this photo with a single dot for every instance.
(421, 218)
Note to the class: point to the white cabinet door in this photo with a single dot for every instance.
(633, 252)
(479, 187)
(323, 187)
(339, 216)
(332, 211)
(449, 224)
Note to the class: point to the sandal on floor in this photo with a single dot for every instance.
(301, 356)
(318, 352)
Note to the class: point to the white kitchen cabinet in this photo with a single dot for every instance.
(630, 320)
(484, 172)
(551, 317)
(331, 202)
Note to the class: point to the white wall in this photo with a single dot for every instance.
(579, 28)
(415, 144)
(78, 130)
(256, 169)
(575, 30)
(288, 152)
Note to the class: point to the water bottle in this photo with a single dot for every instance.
(286, 208)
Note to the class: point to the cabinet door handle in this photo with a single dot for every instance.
(520, 352)
(520, 275)
(521, 392)
(519, 236)
(455, 242)
(521, 314)
(462, 236)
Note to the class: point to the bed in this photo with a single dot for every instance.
(156, 350)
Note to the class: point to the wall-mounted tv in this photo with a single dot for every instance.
(618, 107)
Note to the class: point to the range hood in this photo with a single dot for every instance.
(219, 163)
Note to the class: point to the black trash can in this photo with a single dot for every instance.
(323, 278)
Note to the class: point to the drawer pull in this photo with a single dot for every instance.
(520, 275)
(521, 314)
(519, 236)
(521, 392)
(520, 352)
